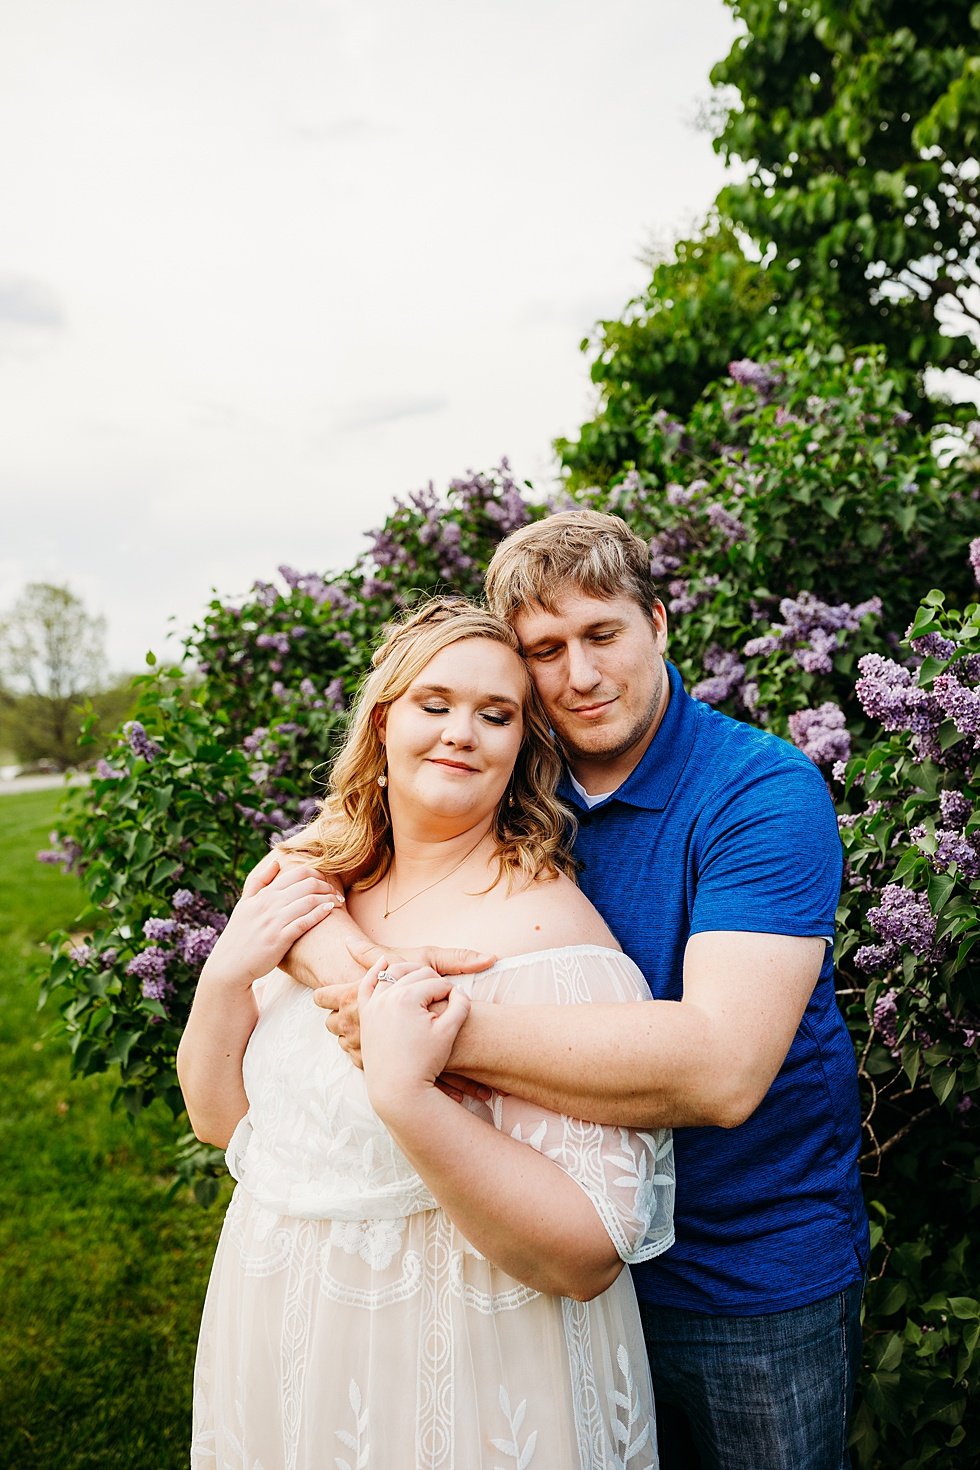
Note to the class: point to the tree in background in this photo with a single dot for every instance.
(857, 125)
(52, 654)
(857, 222)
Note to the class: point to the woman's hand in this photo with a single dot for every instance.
(278, 904)
(408, 1026)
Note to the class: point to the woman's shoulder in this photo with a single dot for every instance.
(550, 913)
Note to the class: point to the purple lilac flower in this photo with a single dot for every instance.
(727, 523)
(812, 629)
(108, 958)
(253, 742)
(105, 772)
(888, 695)
(150, 964)
(277, 641)
(885, 1018)
(902, 919)
(192, 909)
(753, 375)
(727, 674)
(975, 556)
(821, 733)
(960, 705)
(667, 551)
(761, 647)
(955, 847)
(265, 593)
(683, 600)
(308, 809)
(818, 658)
(81, 954)
(156, 930)
(139, 742)
(64, 852)
(932, 645)
(194, 945)
(334, 695)
(956, 809)
(871, 957)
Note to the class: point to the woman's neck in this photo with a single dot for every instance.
(422, 853)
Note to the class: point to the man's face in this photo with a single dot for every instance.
(597, 664)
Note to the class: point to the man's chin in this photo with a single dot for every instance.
(604, 745)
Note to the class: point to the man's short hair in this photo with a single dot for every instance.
(594, 553)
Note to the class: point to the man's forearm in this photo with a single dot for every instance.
(645, 1064)
(321, 956)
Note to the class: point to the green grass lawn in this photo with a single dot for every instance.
(101, 1279)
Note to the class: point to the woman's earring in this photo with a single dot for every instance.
(382, 780)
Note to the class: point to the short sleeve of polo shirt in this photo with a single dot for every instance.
(767, 851)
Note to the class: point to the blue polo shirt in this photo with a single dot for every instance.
(725, 827)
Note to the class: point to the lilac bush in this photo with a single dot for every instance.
(792, 521)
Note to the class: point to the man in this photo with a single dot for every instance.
(711, 850)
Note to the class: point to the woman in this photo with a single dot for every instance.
(403, 1281)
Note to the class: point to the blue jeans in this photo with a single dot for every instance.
(755, 1393)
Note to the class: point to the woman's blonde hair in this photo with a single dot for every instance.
(352, 837)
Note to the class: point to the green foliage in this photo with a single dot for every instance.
(855, 217)
(910, 919)
(103, 1279)
(805, 483)
(856, 127)
(668, 345)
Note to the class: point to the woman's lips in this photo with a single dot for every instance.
(454, 766)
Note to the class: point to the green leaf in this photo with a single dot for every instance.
(942, 1081)
(940, 887)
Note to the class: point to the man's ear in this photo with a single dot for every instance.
(658, 617)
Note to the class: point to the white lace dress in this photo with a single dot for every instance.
(349, 1325)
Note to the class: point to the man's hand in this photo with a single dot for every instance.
(341, 1003)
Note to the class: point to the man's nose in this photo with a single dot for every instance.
(582, 672)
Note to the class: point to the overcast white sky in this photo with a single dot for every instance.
(265, 264)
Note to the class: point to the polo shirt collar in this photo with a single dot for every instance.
(651, 785)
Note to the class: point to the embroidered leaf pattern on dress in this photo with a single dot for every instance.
(511, 1447)
(358, 1442)
(631, 1421)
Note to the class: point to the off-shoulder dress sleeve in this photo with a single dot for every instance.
(627, 1173)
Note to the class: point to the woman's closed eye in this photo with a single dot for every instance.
(491, 716)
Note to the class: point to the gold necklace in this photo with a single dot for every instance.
(389, 910)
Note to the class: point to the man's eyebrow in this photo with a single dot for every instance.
(447, 693)
(545, 641)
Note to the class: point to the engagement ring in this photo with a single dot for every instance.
(383, 975)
